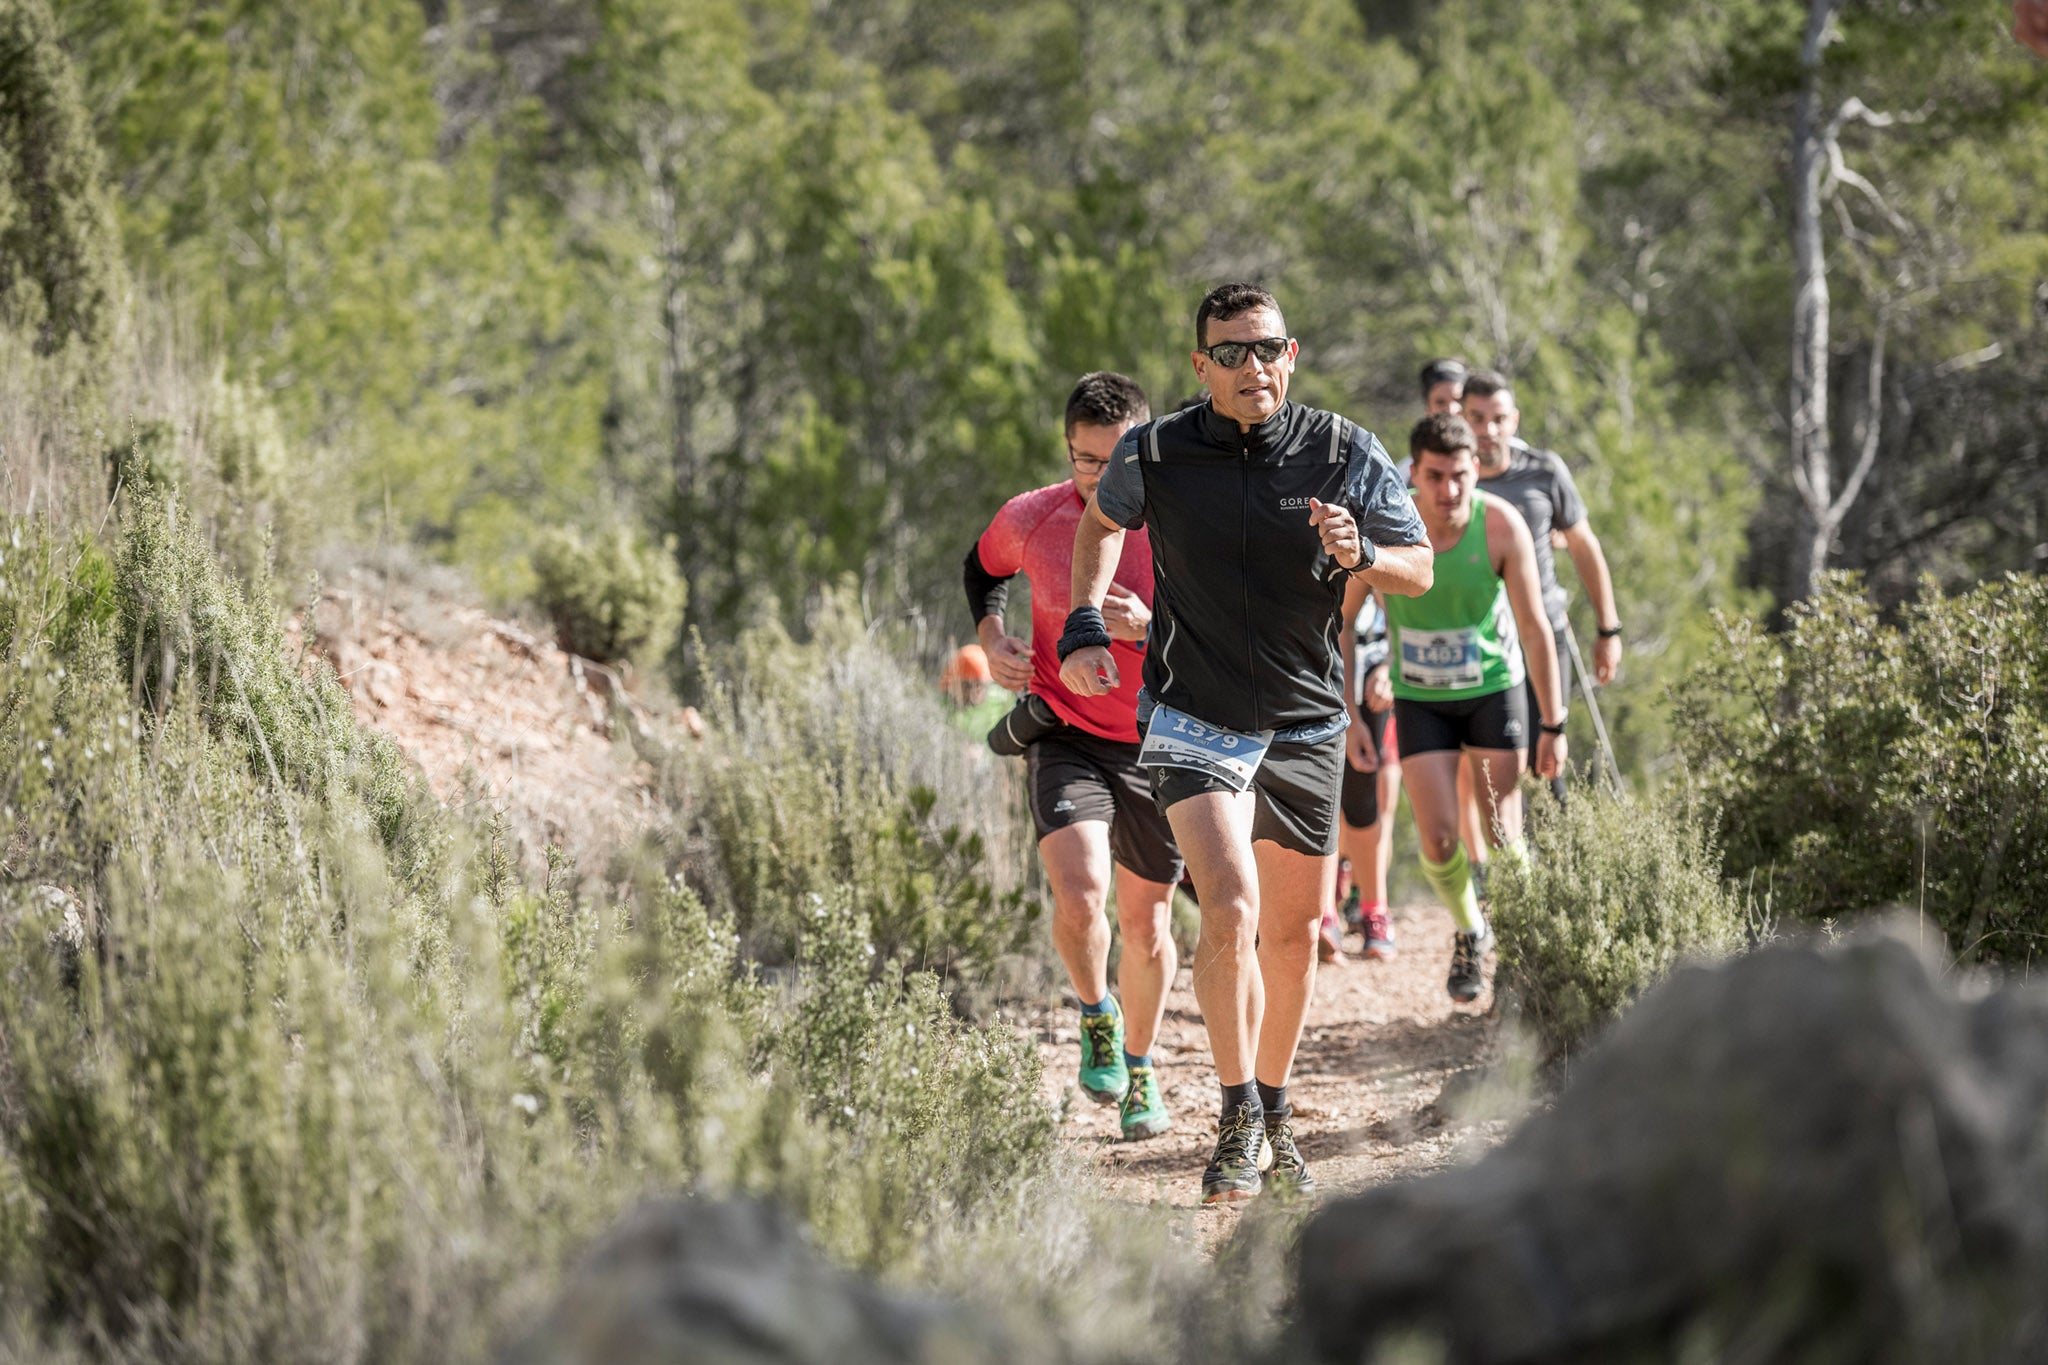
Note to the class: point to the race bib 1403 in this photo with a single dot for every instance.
(1441, 658)
(1175, 739)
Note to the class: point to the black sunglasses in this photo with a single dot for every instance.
(1231, 354)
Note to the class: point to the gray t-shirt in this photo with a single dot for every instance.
(1540, 487)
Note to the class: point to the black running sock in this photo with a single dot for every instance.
(1273, 1099)
(1235, 1096)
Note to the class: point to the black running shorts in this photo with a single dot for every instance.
(1499, 720)
(1362, 790)
(1296, 786)
(1076, 776)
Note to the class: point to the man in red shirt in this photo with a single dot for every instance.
(1090, 802)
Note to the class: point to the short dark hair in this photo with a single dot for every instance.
(1487, 383)
(1227, 301)
(1441, 433)
(1446, 370)
(1105, 398)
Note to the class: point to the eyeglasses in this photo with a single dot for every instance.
(1231, 354)
(1086, 464)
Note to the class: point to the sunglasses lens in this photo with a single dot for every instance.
(1228, 354)
(1269, 349)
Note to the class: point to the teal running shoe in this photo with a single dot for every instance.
(1104, 1078)
(1143, 1110)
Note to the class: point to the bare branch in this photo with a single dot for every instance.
(1854, 110)
(1819, 25)
(1839, 172)
(1873, 423)
(1969, 360)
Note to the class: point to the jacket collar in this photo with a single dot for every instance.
(1270, 435)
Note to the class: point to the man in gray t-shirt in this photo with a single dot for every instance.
(1541, 488)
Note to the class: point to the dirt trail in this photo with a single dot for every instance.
(1382, 1040)
(489, 711)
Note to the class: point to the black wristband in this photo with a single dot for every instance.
(1612, 632)
(1557, 729)
(1085, 628)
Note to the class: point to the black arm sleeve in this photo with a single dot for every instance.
(987, 595)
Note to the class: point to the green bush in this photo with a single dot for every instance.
(1614, 892)
(1852, 762)
(830, 768)
(612, 598)
(60, 252)
(326, 1079)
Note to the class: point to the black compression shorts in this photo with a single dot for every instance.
(1362, 790)
(1499, 720)
(1296, 788)
(1076, 776)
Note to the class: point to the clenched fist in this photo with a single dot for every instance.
(1339, 530)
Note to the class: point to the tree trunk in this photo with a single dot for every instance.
(1812, 472)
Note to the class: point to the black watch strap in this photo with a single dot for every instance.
(1552, 729)
(1368, 555)
(1611, 632)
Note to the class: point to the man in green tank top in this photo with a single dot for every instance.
(1456, 654)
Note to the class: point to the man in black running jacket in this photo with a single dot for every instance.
(1259, 511)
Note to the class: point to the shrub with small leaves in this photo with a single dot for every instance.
(1852, 762)
(830, 768)
(1614, 892)
(612, 597)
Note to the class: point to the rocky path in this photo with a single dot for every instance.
(1382, 1041)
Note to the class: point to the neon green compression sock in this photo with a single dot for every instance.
(1453, 883)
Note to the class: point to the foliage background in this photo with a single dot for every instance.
(800, 289)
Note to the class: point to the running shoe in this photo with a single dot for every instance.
(1241, 1154)
(1143, 1110)
(1330, 938)
(1103, 1075)
(1289, 1171)
(1378, 928)
(1349, 912)
(1468, 951)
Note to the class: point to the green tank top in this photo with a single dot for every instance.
(1456, 641)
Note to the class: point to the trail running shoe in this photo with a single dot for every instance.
(1467, 952)
(1241, 1154)
(1103, 1075)
(1330, 938)
(1379, 933)
(1143, 1110)
(1289, 1171)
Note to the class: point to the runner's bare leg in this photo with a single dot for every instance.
(1144, 915)
(1077, 866)
(1214, 831)
(1293, 889)
(1499, 771)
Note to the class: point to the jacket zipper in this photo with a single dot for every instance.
(1244, 560)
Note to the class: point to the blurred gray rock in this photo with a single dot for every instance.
(728, 1282)
(1803, 1154)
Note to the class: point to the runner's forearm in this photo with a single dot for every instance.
(1355, 594)
(1539, 646)
(1097, 548)
(1590, 560)
(1404, 570)
(987, 593)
